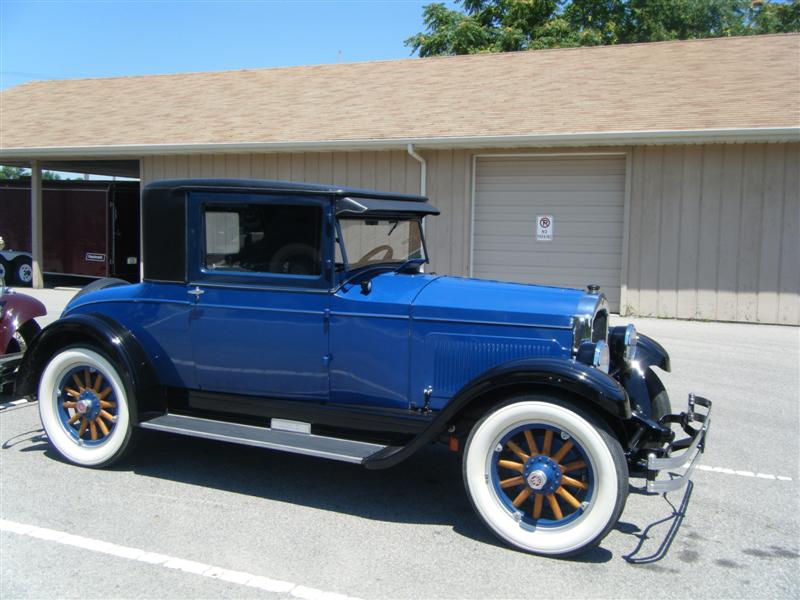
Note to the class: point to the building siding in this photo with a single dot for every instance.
(713, 229)
(714, 233)
(448, 184)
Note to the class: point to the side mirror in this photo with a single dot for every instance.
(366, 286)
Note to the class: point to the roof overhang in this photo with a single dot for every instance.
(609, 138)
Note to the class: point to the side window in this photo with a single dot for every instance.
(263, 238)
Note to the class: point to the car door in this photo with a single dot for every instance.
(259, 279)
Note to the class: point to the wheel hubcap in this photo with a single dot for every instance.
(545, 478)
(542, 474)
(87, 405)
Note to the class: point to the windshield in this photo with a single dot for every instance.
(373, 241)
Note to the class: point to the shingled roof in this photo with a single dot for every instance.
(745, 83)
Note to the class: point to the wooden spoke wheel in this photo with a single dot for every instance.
(84, 407)
(88, 408)
(551, 488)
(545, 476)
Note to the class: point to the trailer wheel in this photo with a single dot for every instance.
(23, 271)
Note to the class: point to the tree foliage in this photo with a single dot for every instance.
(508, 25)
(7, 172)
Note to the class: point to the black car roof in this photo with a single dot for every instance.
(279, 186)
(164, 213)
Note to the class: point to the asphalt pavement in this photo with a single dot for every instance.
(189, 518)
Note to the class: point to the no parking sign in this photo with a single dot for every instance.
(544, 228)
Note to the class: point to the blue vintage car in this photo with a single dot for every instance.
(299, 318)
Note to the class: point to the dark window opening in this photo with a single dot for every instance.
(264, 238)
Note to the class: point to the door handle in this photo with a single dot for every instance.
(196, 292)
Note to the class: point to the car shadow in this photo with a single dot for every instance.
(426, 489)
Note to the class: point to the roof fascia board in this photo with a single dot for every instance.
(766, 134)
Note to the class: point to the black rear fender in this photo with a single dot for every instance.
(103, 333)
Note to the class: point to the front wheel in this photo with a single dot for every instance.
(545, 476)
(22, 337)
(85, 408)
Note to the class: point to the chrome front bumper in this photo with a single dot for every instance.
(688, 449)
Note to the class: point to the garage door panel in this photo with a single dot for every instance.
(562, 230)
(584, 195)
(557, 188)
(574, 262)
(599, 203)
(567, 201)
(604, 166)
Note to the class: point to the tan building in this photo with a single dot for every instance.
(669, 170)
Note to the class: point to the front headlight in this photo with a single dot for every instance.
(623, 340)
(595, 354)
(602, 356)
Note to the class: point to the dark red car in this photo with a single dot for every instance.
(17, 327)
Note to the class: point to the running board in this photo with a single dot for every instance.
(263, 437)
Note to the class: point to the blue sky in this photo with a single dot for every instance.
(64, 39)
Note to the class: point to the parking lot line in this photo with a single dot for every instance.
(13, 403)
(170, 562)
(727, 471)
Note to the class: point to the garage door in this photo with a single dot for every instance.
(584, 197)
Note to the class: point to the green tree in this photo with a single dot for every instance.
(12, 172)
(20, 172)
(507, 25)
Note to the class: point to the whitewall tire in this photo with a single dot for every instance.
(545, 476)
(84, 407)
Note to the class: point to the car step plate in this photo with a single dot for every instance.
(300, 443)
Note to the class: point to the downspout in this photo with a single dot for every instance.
(423, 175)
(423, 183)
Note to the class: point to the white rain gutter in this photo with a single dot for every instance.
(423, 171)
(759, 134)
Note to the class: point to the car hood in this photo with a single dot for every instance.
(461, 299)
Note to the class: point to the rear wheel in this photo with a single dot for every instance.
(545, 476)
(4, 272)
(84, 406)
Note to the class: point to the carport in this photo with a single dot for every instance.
(112, 168)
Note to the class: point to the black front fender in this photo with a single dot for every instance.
(636, 375)
(104, 333)
(595, 387)
(650, 353)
